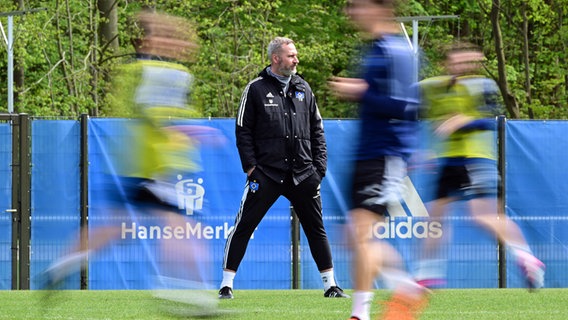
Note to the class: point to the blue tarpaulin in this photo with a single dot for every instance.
(535, 189)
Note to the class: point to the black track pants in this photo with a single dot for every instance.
(306, 200)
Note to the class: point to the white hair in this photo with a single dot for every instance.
(276, 44)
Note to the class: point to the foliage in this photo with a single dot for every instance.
(234, 35)
(66, 66)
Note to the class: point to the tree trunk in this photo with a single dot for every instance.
(510, 101)
(61, 51)
(93, 58)
(107, 42)
(18, 71)
(108, 27)
(526, 58)
(71, 59)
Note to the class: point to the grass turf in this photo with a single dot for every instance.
(487, 304)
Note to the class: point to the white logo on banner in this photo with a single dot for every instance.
(395, 226)
(190, 194)
(412, 200)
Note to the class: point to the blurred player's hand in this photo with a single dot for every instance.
(350, 89)
(204, 134)
(451, 125)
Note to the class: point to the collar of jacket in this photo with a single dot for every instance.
(296, 81)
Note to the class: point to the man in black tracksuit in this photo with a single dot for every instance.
(282, 147)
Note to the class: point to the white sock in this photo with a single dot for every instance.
(228, 277)
(362, 301)
(328, 279)
(518, 248)
(430, 269)
(401, 282)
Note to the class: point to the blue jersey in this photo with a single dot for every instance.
(388, 109)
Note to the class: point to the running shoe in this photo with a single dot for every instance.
(226, 293)
(533, 270)
(335, 292)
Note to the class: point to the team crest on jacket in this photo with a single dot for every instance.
(300, 95)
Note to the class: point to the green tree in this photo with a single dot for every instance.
(64, 54)
(529, 61)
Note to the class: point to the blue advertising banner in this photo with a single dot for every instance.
(55, 190)
(209, 199)
(536, 185)
(5, 206)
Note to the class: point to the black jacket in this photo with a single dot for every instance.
(281, 133)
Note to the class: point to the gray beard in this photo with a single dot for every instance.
(287, 72)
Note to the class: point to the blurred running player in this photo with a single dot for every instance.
(154, 89)
(462, 107)
(388, 114)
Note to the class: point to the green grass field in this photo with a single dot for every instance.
(486, 304)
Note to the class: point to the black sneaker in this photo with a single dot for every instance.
(226, 293)
(335, 292)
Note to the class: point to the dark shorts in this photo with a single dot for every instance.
(377, 183)
(474, 178)
(145, 193)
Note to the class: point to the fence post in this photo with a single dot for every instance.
(21, 201)
(15, 207)
(84, 195)
(295, 224)
(502, 251)
(25, 200)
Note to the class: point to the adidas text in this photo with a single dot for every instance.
(406, 228)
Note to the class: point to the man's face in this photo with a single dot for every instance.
(364, 14)
(285, 61)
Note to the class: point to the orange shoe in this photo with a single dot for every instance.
(401, 307)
